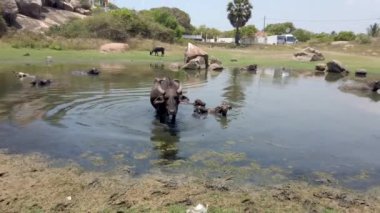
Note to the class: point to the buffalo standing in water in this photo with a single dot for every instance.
(165, 97)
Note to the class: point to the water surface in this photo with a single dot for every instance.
(284, 124)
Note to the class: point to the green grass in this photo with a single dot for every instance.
(264, 57)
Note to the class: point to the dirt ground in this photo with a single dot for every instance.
(29, 184)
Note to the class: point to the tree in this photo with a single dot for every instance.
(207, 32)
(248, 31)
(345, 36)
(280, 28)
(373, 30)
(302, 35)
(239, 12)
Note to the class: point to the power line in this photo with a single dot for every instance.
(323, 20)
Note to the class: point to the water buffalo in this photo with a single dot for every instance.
(361, 86)
(156, 50)
(22, 75)
(93, 71)
(165, 96)
(200, 108)
(40, 82)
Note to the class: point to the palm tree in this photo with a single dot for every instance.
(239, 12)
(374, 30)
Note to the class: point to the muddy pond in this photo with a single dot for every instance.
(284, 124)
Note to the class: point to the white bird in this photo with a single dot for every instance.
(285, 74)
(198, 209)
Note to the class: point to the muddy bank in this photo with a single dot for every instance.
(29, 184)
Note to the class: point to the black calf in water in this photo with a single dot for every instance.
(41, 82)
(93, 71)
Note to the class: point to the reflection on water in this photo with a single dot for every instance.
(164, 139)
(296, 121)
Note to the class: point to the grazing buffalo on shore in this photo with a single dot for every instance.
(156, 50)
(165, 96)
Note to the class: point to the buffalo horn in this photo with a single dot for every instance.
(162, 91)
(179, 90)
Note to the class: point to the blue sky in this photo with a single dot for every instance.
(316, 16)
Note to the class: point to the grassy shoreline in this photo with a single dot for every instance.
(29, 184)
(264, 56)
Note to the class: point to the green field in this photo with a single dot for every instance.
(264, 56)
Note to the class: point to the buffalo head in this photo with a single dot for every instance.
(167, 95)
(223, 109)
(376, 86)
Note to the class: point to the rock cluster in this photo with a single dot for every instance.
(309, 54)
(11, 9)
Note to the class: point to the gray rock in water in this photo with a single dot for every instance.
(193, 52)
(215, 67)
(361, 73)
(320, 67)
(192, 65)
(335, 67)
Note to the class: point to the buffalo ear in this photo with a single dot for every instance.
(184, 99)
(159, 100)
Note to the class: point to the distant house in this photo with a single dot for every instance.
(261, 37)
(193, 37)
(225, 40)
(248, 40)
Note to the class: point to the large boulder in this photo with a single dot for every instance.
(31, 8)
(309, 54)
(60, 4)
(193, 52)
(67, 6)
(83, 11)
(196, 63)
(114, 48)
(191, 65)
(85, 4)
(9, 10)
(335, 67)
(51, 16)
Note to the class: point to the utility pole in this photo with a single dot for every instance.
(264, 23)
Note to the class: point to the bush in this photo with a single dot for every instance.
(40, 41)
(120, 25)
(3, 26)
(345, 36)
(363, 39)
(28, 40)
(322, 38)
(302, 35)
